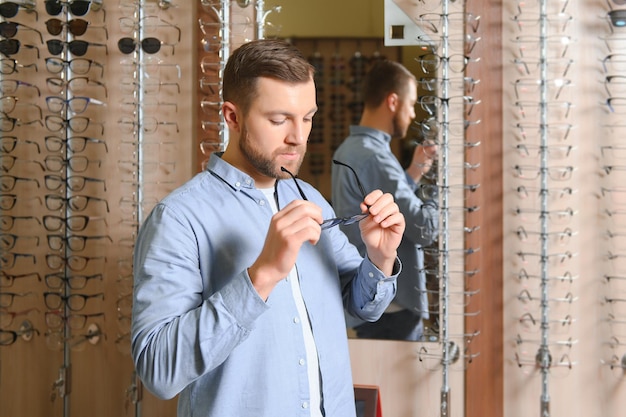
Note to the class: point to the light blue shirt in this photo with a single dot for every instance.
(368, 152)
(201, 330)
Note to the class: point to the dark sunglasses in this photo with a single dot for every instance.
(12, 46)
(9, 29)
(10, 9)
(77, 7)
(76, 47)
(327, 224)
(149, 45)
(76, 27)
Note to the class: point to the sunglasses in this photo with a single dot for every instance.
(76, 27)
(9, 29)
(327, 224)
(77, 7)
(10, 9)
(76, 47)
(148, 45)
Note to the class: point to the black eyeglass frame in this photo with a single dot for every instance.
(328, 223)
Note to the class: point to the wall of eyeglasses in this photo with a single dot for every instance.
(564, 317)
(91, 136)
(448, 95)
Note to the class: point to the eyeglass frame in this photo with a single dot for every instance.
(328, 223)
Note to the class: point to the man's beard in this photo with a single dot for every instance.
(398, 131)
(260, 162)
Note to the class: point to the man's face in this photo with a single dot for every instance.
(275, 131)
(405, 114)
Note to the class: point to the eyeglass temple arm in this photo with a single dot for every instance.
(358, 182)
(296, 181)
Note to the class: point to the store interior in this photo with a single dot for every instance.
(107, 106)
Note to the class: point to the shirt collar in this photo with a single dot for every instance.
(375, 134)
(228, 173)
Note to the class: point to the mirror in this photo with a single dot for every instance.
(342, 50)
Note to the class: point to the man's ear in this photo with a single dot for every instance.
(392, 102)
(231, 116)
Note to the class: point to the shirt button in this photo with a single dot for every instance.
(248, 181)
(296, 320)
(301, 361)
(238, 184)
(371, 274)
(262, 202)
(305, 405)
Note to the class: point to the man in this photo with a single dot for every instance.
(390, 94)
(239, 292)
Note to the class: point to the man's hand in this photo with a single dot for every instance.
(382, 230)
(295, 224)
(424, 156)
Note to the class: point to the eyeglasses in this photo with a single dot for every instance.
(9, 103)
(10, 9)
(75, 104)
(7, 221)
(432, 20)
(10, 65)
(464, 44)
(11, 46)
(7, 298)
(76, 27)
(532, 86)
(9, 29)
(76, 243)
(74, 262)
(129, 25)
(457, 62)
(9, 240)
(7, 280)
(73, 183)
(7, 317)
(557, 67)
(431, 104)
(74, 281)
(556, 22)
(75, 202)
(76, 163)
(7, 162)
(130, 86)
(344, 221)
(148, 124)
(57, 85)
(55, 319)
(148, 45)
(8, 337)
(75, 144)
(76, 47)
(557, 44)
(76, 124)
(79, 66)
(74, 302)
(8, 182)
(75, 223)
(9, 143)
(10, 86)
(77, 7)
(7, 201)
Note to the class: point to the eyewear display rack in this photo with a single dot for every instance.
(447, 97)
(544, 209)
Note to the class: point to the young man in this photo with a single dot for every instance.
(239, 292)
(390, 94)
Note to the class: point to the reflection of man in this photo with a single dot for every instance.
(390, 94)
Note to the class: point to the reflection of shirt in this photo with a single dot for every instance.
(368, 151)
(200, 329)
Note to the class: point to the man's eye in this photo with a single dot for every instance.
(277, 122)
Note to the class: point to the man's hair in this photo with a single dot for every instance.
(384, 78)
(269, 58)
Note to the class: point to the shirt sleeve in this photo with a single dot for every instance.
(177, 336)
(422, 219)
